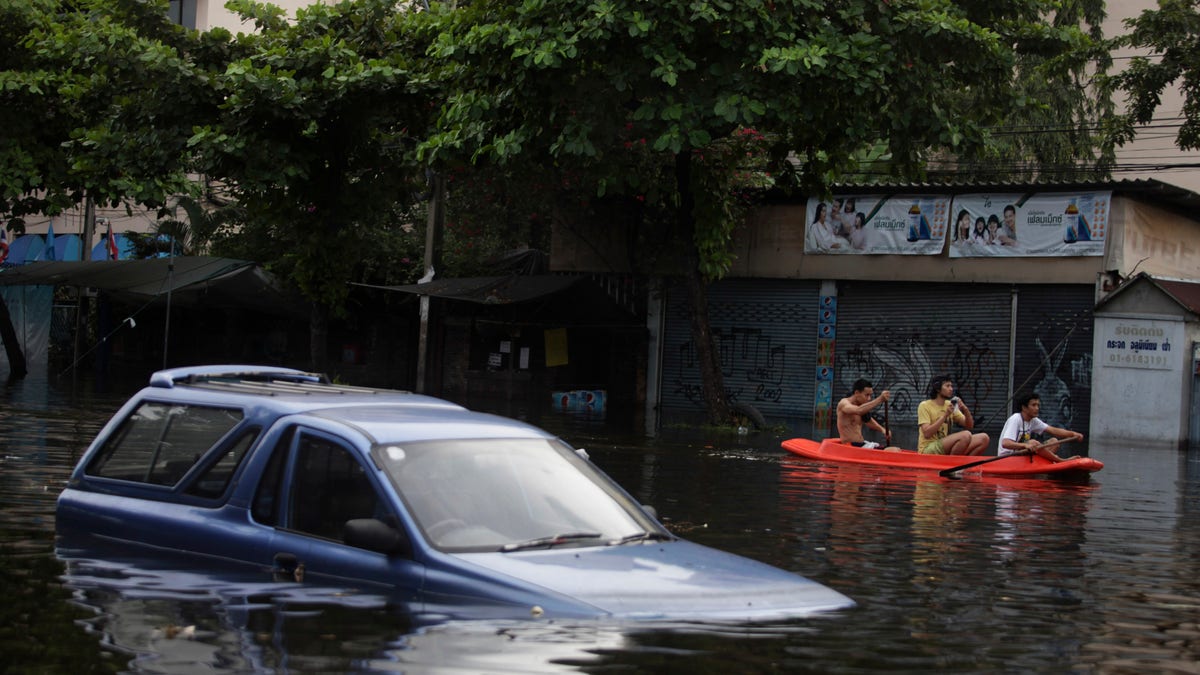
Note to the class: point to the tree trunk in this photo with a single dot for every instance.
(16, 358)
(712, 381)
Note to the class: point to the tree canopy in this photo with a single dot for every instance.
(315, 133)
(573, 83)
(97, 99)
(569, 77)
(1170, 39)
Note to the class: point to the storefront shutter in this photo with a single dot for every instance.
(900, 335)
(765, 332)
(1054, 352)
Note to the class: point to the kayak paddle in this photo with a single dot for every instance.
(949, 473)
(887, 431)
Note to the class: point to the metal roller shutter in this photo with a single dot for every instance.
(765, 332)
(1054, 353)
(900, 335)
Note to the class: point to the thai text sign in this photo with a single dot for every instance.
(1041, 224)
(864, 224)
(1141, 344)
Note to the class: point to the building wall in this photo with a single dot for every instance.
(1156, 241)
(1143, 376)
(213, 14)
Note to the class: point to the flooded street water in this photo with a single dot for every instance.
(974, 575)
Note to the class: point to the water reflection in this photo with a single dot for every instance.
(171, 620)
(1144, 541)
(950, 564)
(976, 575)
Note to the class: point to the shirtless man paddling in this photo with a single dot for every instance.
(851, 411)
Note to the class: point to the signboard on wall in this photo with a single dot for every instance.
(877, 224)
(1141, 344)
(1036, 224)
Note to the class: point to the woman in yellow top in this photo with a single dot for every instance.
(935, 418)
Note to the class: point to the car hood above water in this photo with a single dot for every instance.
(676, 580)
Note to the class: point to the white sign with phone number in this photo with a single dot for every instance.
(1147, 345)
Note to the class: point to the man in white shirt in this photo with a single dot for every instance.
(1022, 426)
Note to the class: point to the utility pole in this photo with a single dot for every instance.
(433, 232)
(81, 302)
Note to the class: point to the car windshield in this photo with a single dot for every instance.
(510, 495)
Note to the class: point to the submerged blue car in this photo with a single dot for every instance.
(454, 512)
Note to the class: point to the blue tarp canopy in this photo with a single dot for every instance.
(25, 248)
(29, 248)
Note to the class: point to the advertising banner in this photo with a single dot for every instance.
(1038, 224)
(874, 224)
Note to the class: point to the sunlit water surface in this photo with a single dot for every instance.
(974, 575)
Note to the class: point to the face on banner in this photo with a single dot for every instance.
(876, 224)
(1040, 224)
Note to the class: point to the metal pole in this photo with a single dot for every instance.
(170, 283)
(85, 250)
(1012, 351)
(433, 228)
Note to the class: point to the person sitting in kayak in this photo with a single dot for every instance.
(935, 417)
(1021, 426)
(857, 407)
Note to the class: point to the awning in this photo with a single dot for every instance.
(191, 280)
(490, 290)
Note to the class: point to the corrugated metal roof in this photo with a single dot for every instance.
(213, 281)
(499, 290)
(1186, 293)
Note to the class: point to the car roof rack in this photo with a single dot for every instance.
(232, 373)
(287, 387)
(260, 380)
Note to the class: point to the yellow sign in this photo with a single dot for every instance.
(556, 347)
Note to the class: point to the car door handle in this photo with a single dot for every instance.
(287, 567)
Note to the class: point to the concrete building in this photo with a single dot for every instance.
(1147, 364)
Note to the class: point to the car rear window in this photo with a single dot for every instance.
(160, 442)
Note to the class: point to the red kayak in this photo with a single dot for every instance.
(832, 450)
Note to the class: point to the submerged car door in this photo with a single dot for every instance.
(313, 484)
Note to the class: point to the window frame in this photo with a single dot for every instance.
(206, 459)
(285, 459)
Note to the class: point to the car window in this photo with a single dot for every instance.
(267, 498)
(160, 442)
(215, 479)
(329, 487)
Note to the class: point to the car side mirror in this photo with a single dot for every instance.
(375, 535)
(650, 510)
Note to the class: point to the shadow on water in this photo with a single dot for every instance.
(977, 575)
